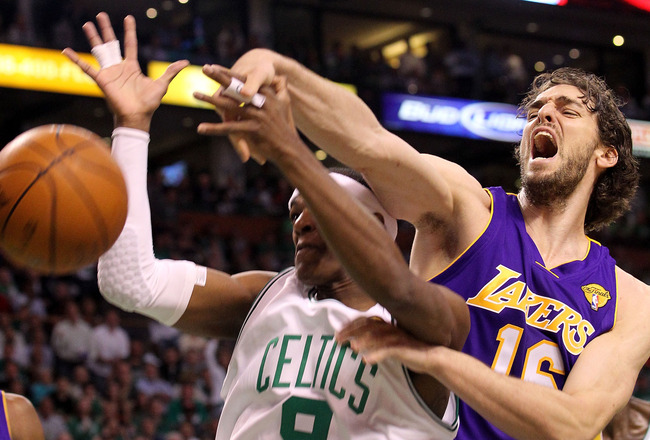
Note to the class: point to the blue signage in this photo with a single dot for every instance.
(452, 117)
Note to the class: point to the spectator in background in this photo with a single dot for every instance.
(151, 384)
(12, 342)
(170, 367)
(109, 343)
(123, 378)
(12, 377)
(53, 423)
(9, 289)
(40, 351)
(217, 357)
(71, 340)
(186, 408)
(62, 396)
(462, 63)
(80, 378)
(412, 70)
(42, 385)
(82, 425)
(136, 358)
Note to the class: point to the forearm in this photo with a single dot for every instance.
(369, 254)
(129, 275)
(331, 116)
(522, 409)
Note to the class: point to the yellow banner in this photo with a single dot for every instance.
(44, 69)
(189, 80)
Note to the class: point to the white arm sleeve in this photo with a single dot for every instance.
(128, 274)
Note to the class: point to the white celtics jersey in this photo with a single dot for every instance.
(288, 378)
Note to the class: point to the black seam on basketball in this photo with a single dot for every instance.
(97, 168)
(40, 174)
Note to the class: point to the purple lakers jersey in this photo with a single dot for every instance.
(527, 320)
(4, 419)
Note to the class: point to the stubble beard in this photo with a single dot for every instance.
(553, 190)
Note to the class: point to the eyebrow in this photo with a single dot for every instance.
(563, 101)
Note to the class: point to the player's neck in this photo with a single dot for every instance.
(558, 231)
(346, 291)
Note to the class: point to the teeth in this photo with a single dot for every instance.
(544, 145)
(544, 133)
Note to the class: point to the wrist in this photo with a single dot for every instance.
(137, 121)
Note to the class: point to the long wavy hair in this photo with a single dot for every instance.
(616, 186)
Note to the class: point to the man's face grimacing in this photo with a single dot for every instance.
(558, 144)
(315, 263)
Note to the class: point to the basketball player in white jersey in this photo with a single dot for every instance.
(288, 377)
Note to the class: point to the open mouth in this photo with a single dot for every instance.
(544, 145)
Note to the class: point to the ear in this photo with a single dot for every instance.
(606, 156)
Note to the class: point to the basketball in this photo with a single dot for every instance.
(63, 199)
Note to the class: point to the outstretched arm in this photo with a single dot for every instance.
(429, 311)
(178, 293)
(440, 198)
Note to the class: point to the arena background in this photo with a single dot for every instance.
(210, 208)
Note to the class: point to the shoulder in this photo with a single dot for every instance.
(633, 306)
(631, 288)
(19, 408)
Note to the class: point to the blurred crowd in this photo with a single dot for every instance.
(453, 65)
(96, 373)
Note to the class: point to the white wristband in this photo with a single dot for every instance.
(107, 54)
(233, 91)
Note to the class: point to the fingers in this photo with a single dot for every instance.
(367, 335)
(91, 34)
(218, 73)
(254, 81)
(257, 157)
(228, 127)
(104, 22)
(241, 147)
(224, 77)
(74, 57)
(357, 328)
(221, 102)
(173, 70)
(130, 38)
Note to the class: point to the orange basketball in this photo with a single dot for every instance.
(63, 199)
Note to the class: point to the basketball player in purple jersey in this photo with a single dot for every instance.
(548, 304)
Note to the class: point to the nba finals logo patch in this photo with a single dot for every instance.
(596, 295)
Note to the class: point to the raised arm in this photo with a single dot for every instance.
(422, 189)
(429, 311)
(179, 293)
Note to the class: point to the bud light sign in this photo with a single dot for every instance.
(452, 117)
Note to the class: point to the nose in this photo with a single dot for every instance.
(304, 223)
(546, 112)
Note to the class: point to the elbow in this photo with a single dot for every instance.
(573, 428)
(427, 315)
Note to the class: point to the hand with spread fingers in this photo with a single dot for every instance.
(132, 96)
(267, 133)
